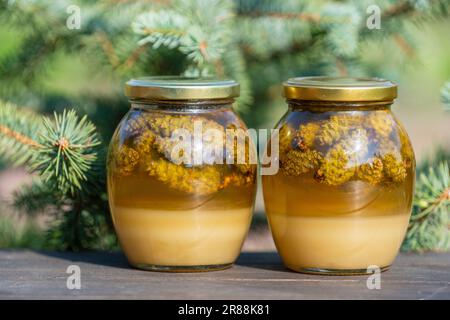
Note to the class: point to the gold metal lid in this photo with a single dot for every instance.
(181, 88)
(340, 89)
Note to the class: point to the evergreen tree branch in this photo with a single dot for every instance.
(302, 16)
(429, 227)
(34, 198)
(68, 152)
(398, 9)
(20, 138)
(107, 48)
(404, 45)
(18, 134)
(133, 57)
(68, 158)
(276, 55)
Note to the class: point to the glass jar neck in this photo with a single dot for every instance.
(182, 105)
(338, 105)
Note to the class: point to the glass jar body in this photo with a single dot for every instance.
(341, 200)
(171, 215)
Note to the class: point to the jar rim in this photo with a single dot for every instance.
(181, 88)
(322, 88)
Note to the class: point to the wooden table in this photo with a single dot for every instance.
(256, 275)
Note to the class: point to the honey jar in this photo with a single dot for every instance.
(180, 208)
(341, 200)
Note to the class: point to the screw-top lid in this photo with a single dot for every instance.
(340, 89)
(181, 88)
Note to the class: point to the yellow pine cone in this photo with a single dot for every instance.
(144, 142)
(394, 169)
(371, 172)
(246, 168)
(351, 120)
(333, 170)
(381, 122)
(232, 148)
(136, 124)
(164, 125)
(147, 142)
(307, 134)
(298, 162)
(196, 180)
(153, 145)
(337, 127)
(126, 160)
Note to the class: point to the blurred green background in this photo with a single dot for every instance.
(46, 66)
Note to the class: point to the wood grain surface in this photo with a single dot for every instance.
(256, 275)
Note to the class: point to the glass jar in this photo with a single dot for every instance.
(176, 205)
(341, 199)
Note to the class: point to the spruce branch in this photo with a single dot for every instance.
(108, 48)
(404, 45)
(399, 8)
(68, 151)
(18, 134)
(161, 28)
(10, 133)
(430, 220)
(302, 16)
(63, 150)
(202, 36)
(415, 8)
(201, 31)
(68, 158)
(34, 198)
(133, 57)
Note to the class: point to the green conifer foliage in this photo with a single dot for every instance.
(257, 42)
(68, 158)
(430, 220)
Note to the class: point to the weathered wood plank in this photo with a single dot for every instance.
(256, 275)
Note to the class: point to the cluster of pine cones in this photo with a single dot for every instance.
(348, 146)
(150, 144)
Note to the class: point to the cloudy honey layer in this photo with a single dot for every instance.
(338, 243)
(196, 237)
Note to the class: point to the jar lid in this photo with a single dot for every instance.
(181, 88)
(340, 89)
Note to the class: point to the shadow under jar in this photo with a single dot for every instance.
(341, 200)
(176, 205)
